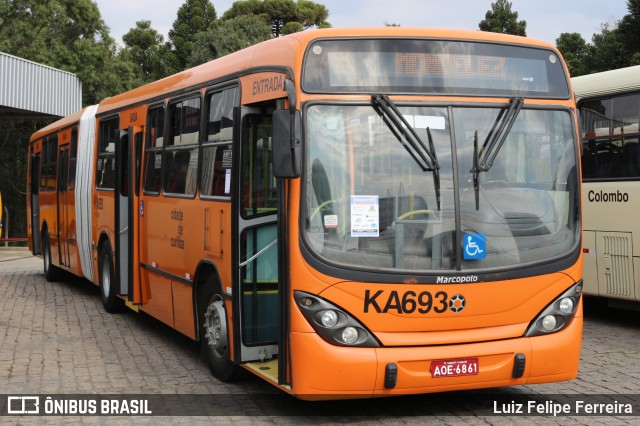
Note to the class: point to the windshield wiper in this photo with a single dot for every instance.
(498, 134)
(424, 156)
(436, 169)
(483, 160)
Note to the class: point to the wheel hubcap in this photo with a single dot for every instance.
(215, 327)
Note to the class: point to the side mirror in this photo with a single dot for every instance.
(287, 152)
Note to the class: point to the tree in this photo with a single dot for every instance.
(574, 49)
(66, 34)
(501, 19)
(284, 16)
(227, 37)
(629, 30)
(14, 137)
(194, 17)
(616, 46)
(69, 35)
(606, 51)
(145, 47)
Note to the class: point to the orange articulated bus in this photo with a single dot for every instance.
(346, 213)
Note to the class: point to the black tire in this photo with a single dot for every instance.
(51, 272)
(214, 340)
(111, 302)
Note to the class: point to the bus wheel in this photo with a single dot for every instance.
(215, 341)
(51, 272)
(110, 301)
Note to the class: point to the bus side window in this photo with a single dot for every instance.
(217, 148)
(181, 153)
(177, 165)
(106, 165)
(631, 155)
(35, 173)
(73, 155)
(153, 151)
(259, 194)
(49, 163)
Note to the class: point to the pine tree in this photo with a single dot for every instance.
(194, 17)
(501, 19)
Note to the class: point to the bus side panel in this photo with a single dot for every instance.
(183, 308)
(103, 225)
(609, 221)
(590, 263)
(172, 233)
(160, 304)
(217, 241)
(636, 272)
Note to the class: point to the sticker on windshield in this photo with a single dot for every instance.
(331, 221)
(365, 216)
(475, 246)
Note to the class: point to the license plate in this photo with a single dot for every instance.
(454, 367)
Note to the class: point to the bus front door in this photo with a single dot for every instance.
(257, 292)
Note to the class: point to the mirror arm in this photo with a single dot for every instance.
(290, 88)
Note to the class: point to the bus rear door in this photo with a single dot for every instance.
(63, 205)
(126, 206)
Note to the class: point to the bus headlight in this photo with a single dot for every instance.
(549, 323)
(350, 335)
(329, 318)
(566, 305)
(333, 324)
(557, 314)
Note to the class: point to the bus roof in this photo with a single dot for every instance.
(607, 83)
(57, 125)
(286, 52)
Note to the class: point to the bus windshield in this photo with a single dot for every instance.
(371, 204)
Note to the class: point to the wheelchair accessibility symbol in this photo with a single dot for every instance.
(475, 246)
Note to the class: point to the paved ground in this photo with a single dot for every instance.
(55, 338)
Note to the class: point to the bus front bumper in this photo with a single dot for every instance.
(323, 371)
